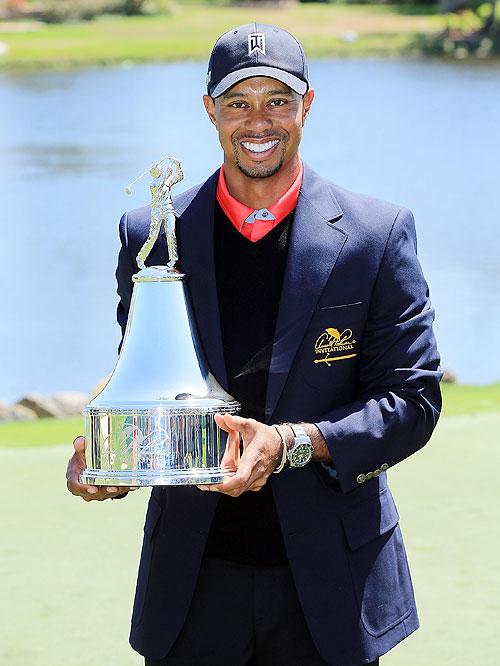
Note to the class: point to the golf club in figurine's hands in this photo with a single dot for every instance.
(153, 422)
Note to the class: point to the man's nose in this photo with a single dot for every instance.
(259, 119)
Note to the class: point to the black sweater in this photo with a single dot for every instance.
(249, 280)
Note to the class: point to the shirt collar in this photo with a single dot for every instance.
(238, 212)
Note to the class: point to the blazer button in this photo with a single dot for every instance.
(369, 475)
(361, 478)
(384, 467)
(377, 472)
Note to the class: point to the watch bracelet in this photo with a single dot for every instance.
(300, 437)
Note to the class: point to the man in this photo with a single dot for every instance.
(313, 312)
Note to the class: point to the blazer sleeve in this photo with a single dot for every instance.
(124, 271)
(399, 399)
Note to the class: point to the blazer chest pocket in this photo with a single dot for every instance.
(331, 346)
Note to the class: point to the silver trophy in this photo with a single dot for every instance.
(153, 422)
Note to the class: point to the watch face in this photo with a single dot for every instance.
(300, 455)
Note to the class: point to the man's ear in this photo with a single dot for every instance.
(210, 108)
(307, 100)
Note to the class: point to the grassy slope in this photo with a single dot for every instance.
(68, 568)
(448, 499)
(191, 30)
(457, 399)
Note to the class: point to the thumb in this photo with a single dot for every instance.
(237, 423)
(220, 421)
(79, 444)
(231, 423)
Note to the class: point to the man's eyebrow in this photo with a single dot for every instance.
(232, 95)
(288, 92)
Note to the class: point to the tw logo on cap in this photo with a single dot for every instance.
(256, 42)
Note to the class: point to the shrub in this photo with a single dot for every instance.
(60, 11)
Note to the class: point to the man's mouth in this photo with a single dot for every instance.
(259, 147)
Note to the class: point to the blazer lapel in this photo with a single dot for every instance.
(315, 245)
(195, 236)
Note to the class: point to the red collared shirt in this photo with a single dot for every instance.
(238, 213)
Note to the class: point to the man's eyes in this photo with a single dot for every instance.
(243, 105)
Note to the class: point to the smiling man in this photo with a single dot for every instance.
(313, 312)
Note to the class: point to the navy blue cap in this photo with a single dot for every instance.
(256, 49)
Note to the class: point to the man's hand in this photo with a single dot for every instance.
(76, 465)
(262, 451)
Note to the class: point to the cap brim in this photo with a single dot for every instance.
(290, 80)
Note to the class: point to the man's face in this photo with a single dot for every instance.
(259, 122)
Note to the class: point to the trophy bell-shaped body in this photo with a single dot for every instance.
(161, 362)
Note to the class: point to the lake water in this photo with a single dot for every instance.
(422, 134)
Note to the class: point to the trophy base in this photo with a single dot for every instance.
(177, 477)
(159, 446)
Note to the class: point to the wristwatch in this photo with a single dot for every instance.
(300, 453)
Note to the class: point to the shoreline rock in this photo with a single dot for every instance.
(449, 377)
(55, 405)
(16, 413)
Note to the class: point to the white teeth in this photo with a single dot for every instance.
(259, 147)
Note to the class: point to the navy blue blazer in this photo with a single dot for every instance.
(354, 353)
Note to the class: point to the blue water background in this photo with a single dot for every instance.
(422, 134)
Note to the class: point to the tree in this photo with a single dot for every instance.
(132, 7)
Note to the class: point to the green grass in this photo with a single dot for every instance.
(448, 503)
(41, 432)
(463, 399)
(68, 568)
(190, 31)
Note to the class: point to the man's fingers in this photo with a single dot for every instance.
(237, 482)
(79, 489)
(75, 468)
(244, 477)
(231, 457)
(75, 487)
(76, 465)
(234, 439)
(255, 487)
(254, 464)
(101, 493)
(93, 493)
